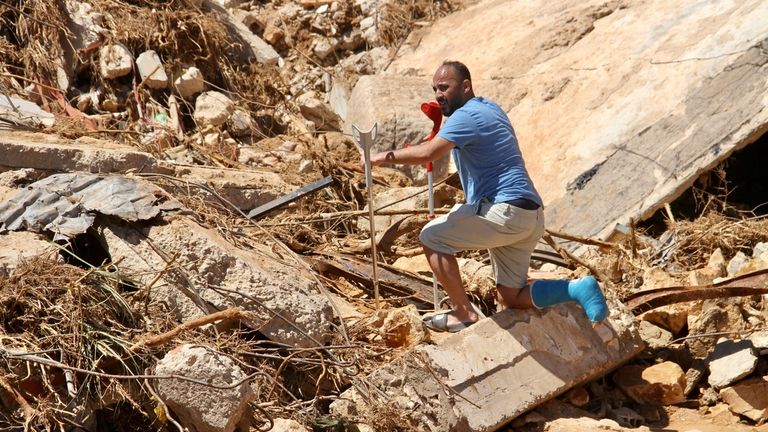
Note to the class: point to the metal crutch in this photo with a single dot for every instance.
(365, 141)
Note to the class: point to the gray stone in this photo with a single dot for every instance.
(115, 61)
(730, 362)
(212, 108)
(151, 70)
(190, 83)
(655, 336)
(201, 407)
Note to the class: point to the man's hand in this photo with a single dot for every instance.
(380, 158)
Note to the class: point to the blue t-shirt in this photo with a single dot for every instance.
(487, 155)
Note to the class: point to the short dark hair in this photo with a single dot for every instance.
(460, 68)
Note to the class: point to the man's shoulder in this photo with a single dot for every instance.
(479, 103)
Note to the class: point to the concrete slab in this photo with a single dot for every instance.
(244, 189)
(45, 152)
(499, 368)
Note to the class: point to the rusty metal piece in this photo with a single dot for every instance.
(749, 284)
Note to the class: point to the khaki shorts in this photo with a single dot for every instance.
(509, 233)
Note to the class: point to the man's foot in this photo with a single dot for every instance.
(446, 322)
(587, 292)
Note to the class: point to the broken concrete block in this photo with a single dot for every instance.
(23, 112)
(730, 362)
(748, 398)
(213, 108)
(662, 383)
(46, 152)
(151, 70)
(287, 304)
(115, 61)
(198, 406)
(498, 368)
(190, 83)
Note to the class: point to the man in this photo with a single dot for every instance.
(503, 211)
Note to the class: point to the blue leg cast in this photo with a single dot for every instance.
(584, 291)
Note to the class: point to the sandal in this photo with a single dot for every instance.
(439, 322)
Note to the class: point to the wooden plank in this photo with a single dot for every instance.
(277, 202)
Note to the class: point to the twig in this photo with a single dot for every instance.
(166, 411)
(571, 257)
(579, 239)
(53, 363)
(227, 314)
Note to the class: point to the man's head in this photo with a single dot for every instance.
(452, 85)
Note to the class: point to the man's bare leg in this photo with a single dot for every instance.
(513, 298)
(446, 269)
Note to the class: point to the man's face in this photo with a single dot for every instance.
(449, 90)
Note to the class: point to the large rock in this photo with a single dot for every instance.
(618, 106)
(748, 398)
(393, 103)
(482, 377)
(201, 407)
(730, 362)
(208, 274)
(663, 383)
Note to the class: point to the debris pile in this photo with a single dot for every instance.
(193, 81)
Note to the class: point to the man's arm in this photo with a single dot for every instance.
(429, 151)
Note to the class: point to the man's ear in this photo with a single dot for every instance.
(466, 86)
